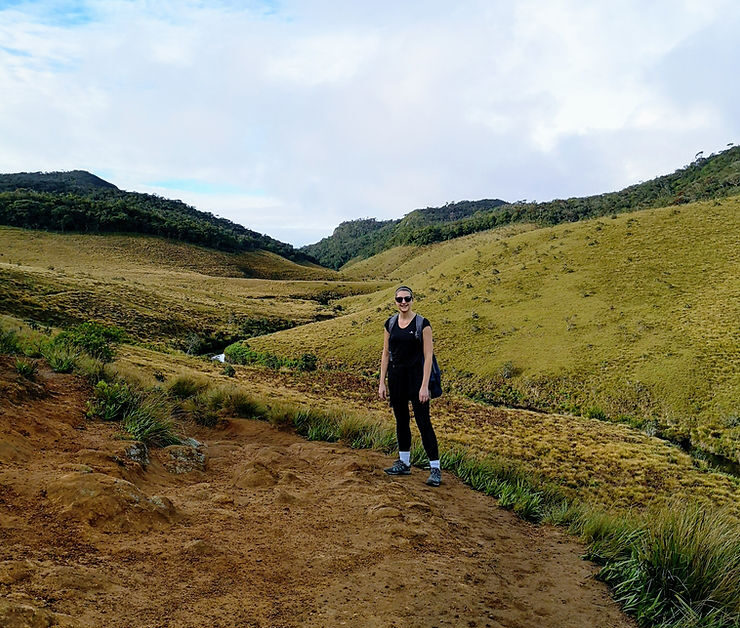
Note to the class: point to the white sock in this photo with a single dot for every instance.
(405, 457)
(434, 464)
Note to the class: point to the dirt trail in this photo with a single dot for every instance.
(276, 531)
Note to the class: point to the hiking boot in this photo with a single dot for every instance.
(435, 477)
(399, 468)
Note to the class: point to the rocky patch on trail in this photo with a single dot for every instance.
(180, 459)
(109, 503)
(22, 611)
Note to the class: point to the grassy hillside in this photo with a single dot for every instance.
(716, 176)
(365, 237)
(78, 201)
(405, 261)
(631, 318)
(158, 290)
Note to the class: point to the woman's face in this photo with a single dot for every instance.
(403, 300)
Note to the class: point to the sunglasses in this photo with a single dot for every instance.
(404, 299)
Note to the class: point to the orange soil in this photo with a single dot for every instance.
(276, 531)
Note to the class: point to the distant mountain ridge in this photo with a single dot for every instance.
(705, 178)
(60, 181)
(366, 237)
(80, 201)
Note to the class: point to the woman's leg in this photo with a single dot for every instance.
(424, 423)
(403, 428)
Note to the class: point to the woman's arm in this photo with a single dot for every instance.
(384, 366)
(428, 346)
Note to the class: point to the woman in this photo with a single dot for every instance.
(407, 359)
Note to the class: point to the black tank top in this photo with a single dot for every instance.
(405, 349)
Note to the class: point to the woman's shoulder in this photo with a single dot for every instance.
(389, 322)
(425, 322)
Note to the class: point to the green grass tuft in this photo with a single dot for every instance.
(61, 358)
(112, 401)
(26, 368)
(9, 342)
(149, 421)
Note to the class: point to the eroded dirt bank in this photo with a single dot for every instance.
(276, 531)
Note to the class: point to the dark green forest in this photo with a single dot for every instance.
(78, 201)
(715, 176)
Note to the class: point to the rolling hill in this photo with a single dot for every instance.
(716, 176)
(78, 201)
(631, 317)
(159, 290)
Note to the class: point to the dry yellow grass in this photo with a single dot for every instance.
(154, 288)
(606, 464)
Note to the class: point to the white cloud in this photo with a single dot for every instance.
(336, 111)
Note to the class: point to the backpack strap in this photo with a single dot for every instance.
(418, 330)
(391, 322)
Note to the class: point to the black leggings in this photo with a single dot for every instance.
(423, 422)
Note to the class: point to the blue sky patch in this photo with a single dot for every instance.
(63, 13)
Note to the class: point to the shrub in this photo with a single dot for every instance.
(506, 370)
(228, 370)
(94, 338)
(307, 362)
(242, 353)
(112, 401)
(26, 368)
(594, 412)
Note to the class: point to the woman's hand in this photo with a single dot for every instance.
(382, 394)
(423, 394)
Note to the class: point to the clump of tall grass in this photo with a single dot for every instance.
(316, 425)
(144, 415)
(149, 421)
(281, 413)
(61, 358)
(238, 402)
(185, 385)
(9, 342)
(360, 433)
(26, 368)
(91, 368)
(675, 566)
(204, 407)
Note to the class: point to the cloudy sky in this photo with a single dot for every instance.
(291, 116)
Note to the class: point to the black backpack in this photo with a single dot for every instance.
(435, 379)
